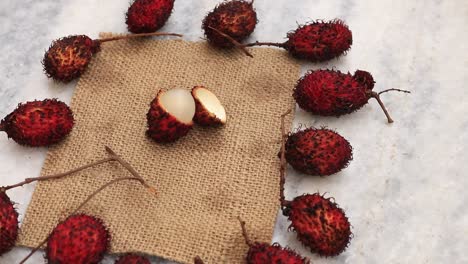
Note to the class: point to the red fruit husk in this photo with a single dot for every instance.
(162, 126)
(197, 260)
(263, 253)
(236, 19)
(145, 16)
(132, 259)
(320, 41)
(39, 123)
(8, 224)
(68, 57)
(319, 152)
(202, 116)
(79, 239)
(318, 222)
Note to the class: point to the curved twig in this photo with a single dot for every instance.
(235, 42)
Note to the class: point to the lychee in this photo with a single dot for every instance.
(236, 18)
(80, 239)
(145, 16)
(67, 58)
(132, 259)
(319, 152)
(170, 115)
(8, 223)
(209, 110)
(263, 253)
(316, 41)
(318, 221)
(38, 123)
(333, 93)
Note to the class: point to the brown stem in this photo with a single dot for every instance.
(256, 43)
(128, 36)
(235, 42)
(130, 169)
(394, 89)
(198, 260)
(81, 206)
(283, 201)
(377, 97)
(244, 233)
(55, 176)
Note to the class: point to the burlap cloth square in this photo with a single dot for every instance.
(205, 180)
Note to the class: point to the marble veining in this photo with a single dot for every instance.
(404, 192)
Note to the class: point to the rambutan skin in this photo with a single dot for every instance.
(319, 152)
(261, 253)
(320, 41)
(132, 259)
(162, 126)
(146, 16)
(8, 224)
(320, 224)
(332, 93)
(80, 239)
(68, 57)
(235, 18)
(39, 123)
(203, 117)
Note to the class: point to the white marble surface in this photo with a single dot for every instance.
(405, 190)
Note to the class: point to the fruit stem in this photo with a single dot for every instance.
(256, 43)
(81, 205)
(128, 36)
(394, 89)
(283, 201)
(244, 233)
(55, 176)
(198, 260)
(233, 41)
(377, 97)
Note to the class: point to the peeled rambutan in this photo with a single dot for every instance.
(132, 259)
(8, 223)
(67, 58)
(332, 93)
(170, 115)
(80, 239)
(236, 18)
(38, 123)
(144, 16)
(318, 152)
(316, 41)
(263, 253)
(209, 110)
(318, 222)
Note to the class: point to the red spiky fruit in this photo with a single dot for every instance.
(68, 57)
(263, 253)
(170, 115)
(144, 16)
(318, 152)
(209, 110)
(320, 41)
(8, 224)
(39, 123)
(319, 224)
(132, 259)
(235, 18)
(80, 239)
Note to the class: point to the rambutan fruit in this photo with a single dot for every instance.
(209, 111)
(8, 223)
(333, 93)
(132, 259)
(145, 16)
(319, 152)
(80, 239)
(67, 58)
(170, 115)
(263, 253)
(38, 123)
(197, 260)
(318, 221)
(316, 41)
(236, 18)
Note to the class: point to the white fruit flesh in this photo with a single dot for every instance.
(179, 103)
(211, 103)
